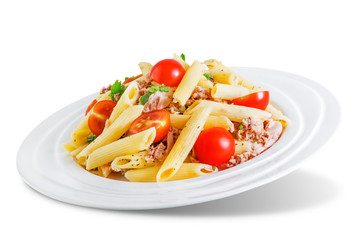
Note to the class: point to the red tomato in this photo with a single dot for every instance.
(160, 119)
(90, 106)
(214, 146)
(258, 100)
(101, 112)
(130, 79)
(168, 72)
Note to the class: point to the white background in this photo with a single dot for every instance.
(53, 53)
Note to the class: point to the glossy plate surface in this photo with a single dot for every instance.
(45, 166)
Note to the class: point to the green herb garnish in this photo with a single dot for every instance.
(182, 57)
(145, 98)
(208, 76)
(91, 138)
(153, 89)
(116, 88)
(241, 127)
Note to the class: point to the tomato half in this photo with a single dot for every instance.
(214, 146)
(168, 72)
(160, 119)
(258, 100)
(130, 79)
(101, 112)
(92, 104)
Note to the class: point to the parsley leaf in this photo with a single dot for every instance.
(182, 57)
(91, 138)
(153, 89)
(117, 88)
(241, 127)
(145, 98)
(208, 76)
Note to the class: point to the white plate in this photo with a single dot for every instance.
(45, 166)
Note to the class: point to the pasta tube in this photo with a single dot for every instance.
(228, 92)
(179, 122)
(137, 160)
(188, 83)
(187, 170)
(233, 112)
(145, 68)
(127, 99)
(183, 144)
(124, 146)
(205, 83)
(179, 59)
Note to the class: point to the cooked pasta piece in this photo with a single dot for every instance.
(225, 77)
(278, 115)
(145, 68)
(179, 122)
(188, 83)
(242, 146)
(127, 99)
(114, 132)
(228, 92)
(215, 64)
(183, 144)
(205, 83)
(136, 160)
(233, 112)
(179, 59)
(187, 170)
(124, 146)
(69, 146)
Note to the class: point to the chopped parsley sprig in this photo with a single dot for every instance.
(182, 57)
(153, 89)
(117, 88)
(91, 138)
(208, 76)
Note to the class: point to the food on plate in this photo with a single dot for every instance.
(175, 121)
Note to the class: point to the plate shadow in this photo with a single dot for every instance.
(296, 191)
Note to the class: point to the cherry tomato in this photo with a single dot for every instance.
(168, 72)
(101, 112)
(214, 146)
(160, 119)
(130, 79)
(90, 106)
(258, 100)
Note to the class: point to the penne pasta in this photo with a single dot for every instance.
(179, 122)
(233, 112)
(183, 144)
(228, 92)
(131, 161)
(278, 115)
(188, 83)
(187, 170)
(114, 132)
(145, 68)
(127, 99)
(205, 83)
(124, 146)
(242, 146)
(179, 59)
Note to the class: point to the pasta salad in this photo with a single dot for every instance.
(175, 121)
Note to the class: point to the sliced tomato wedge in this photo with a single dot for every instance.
(101, 112)
(259, 100)
(130, 79)
(160, 119)
(92, 104)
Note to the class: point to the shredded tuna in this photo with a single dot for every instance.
(157, 100)
(144, 84)
(156, 154)
(263, 134)
(171, 138)
(199, 93)
(105, 89)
